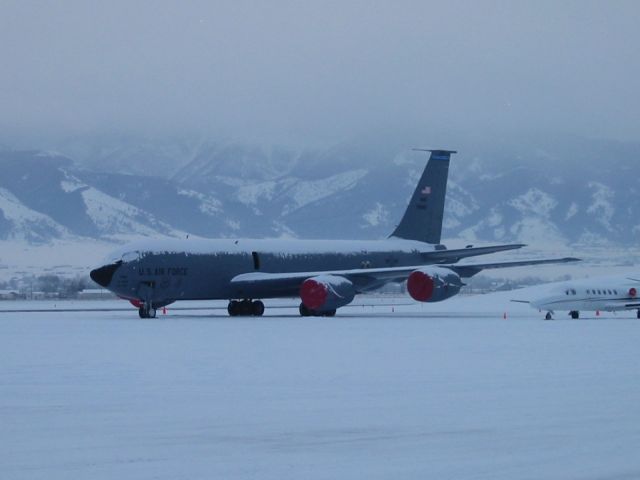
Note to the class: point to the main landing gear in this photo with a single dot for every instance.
(548, 316)
(574, 314)
(146, 311)
(639, 313)
(307, 312)
(245, 308)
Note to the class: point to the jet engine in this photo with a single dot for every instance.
(433, 284)
(326, 292)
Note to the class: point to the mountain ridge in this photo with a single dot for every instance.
(583, 192)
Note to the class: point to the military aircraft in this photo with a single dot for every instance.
(607, 294)
(325, 274)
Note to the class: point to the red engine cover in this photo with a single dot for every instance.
(433, 284)
(313, 293)
(420, 286)
(632, 292)
(326, 292)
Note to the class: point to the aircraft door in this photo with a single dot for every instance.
(256, 260)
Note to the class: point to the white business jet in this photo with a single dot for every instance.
(607, 294)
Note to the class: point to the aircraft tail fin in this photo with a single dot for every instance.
(422, 220)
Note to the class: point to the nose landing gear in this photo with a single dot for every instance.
(146, 311)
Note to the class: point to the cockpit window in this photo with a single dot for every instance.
(130, 256)
(122, 257)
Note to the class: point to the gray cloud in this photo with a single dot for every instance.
(316, 72)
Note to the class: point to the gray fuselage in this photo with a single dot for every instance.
(169, 270)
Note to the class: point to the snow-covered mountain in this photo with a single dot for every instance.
(42, 199)
(573, 192)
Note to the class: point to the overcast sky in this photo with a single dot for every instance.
(319, 71)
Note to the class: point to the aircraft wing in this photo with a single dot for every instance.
(264, 284)
(289, 283)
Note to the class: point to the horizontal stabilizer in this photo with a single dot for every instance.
(467, 271)
(452, 256)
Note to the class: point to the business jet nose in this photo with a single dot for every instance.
(103, 275)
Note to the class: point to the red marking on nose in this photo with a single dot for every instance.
(136, 303)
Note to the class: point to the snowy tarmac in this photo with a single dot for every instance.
(391, 390)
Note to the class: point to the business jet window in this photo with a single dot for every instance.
(615, 292)
(609, 292)
(588, 291)
(573, 292)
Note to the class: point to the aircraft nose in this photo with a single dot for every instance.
(103, 275)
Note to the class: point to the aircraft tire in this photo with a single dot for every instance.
(638, 313)
(548, 316)
(146, 312)
(233, 308)
(257, 308)
(246, 308)
(307, 312)
(574, 314)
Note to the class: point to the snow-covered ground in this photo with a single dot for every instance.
(387, 389)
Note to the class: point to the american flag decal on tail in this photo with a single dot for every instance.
(422, 220)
